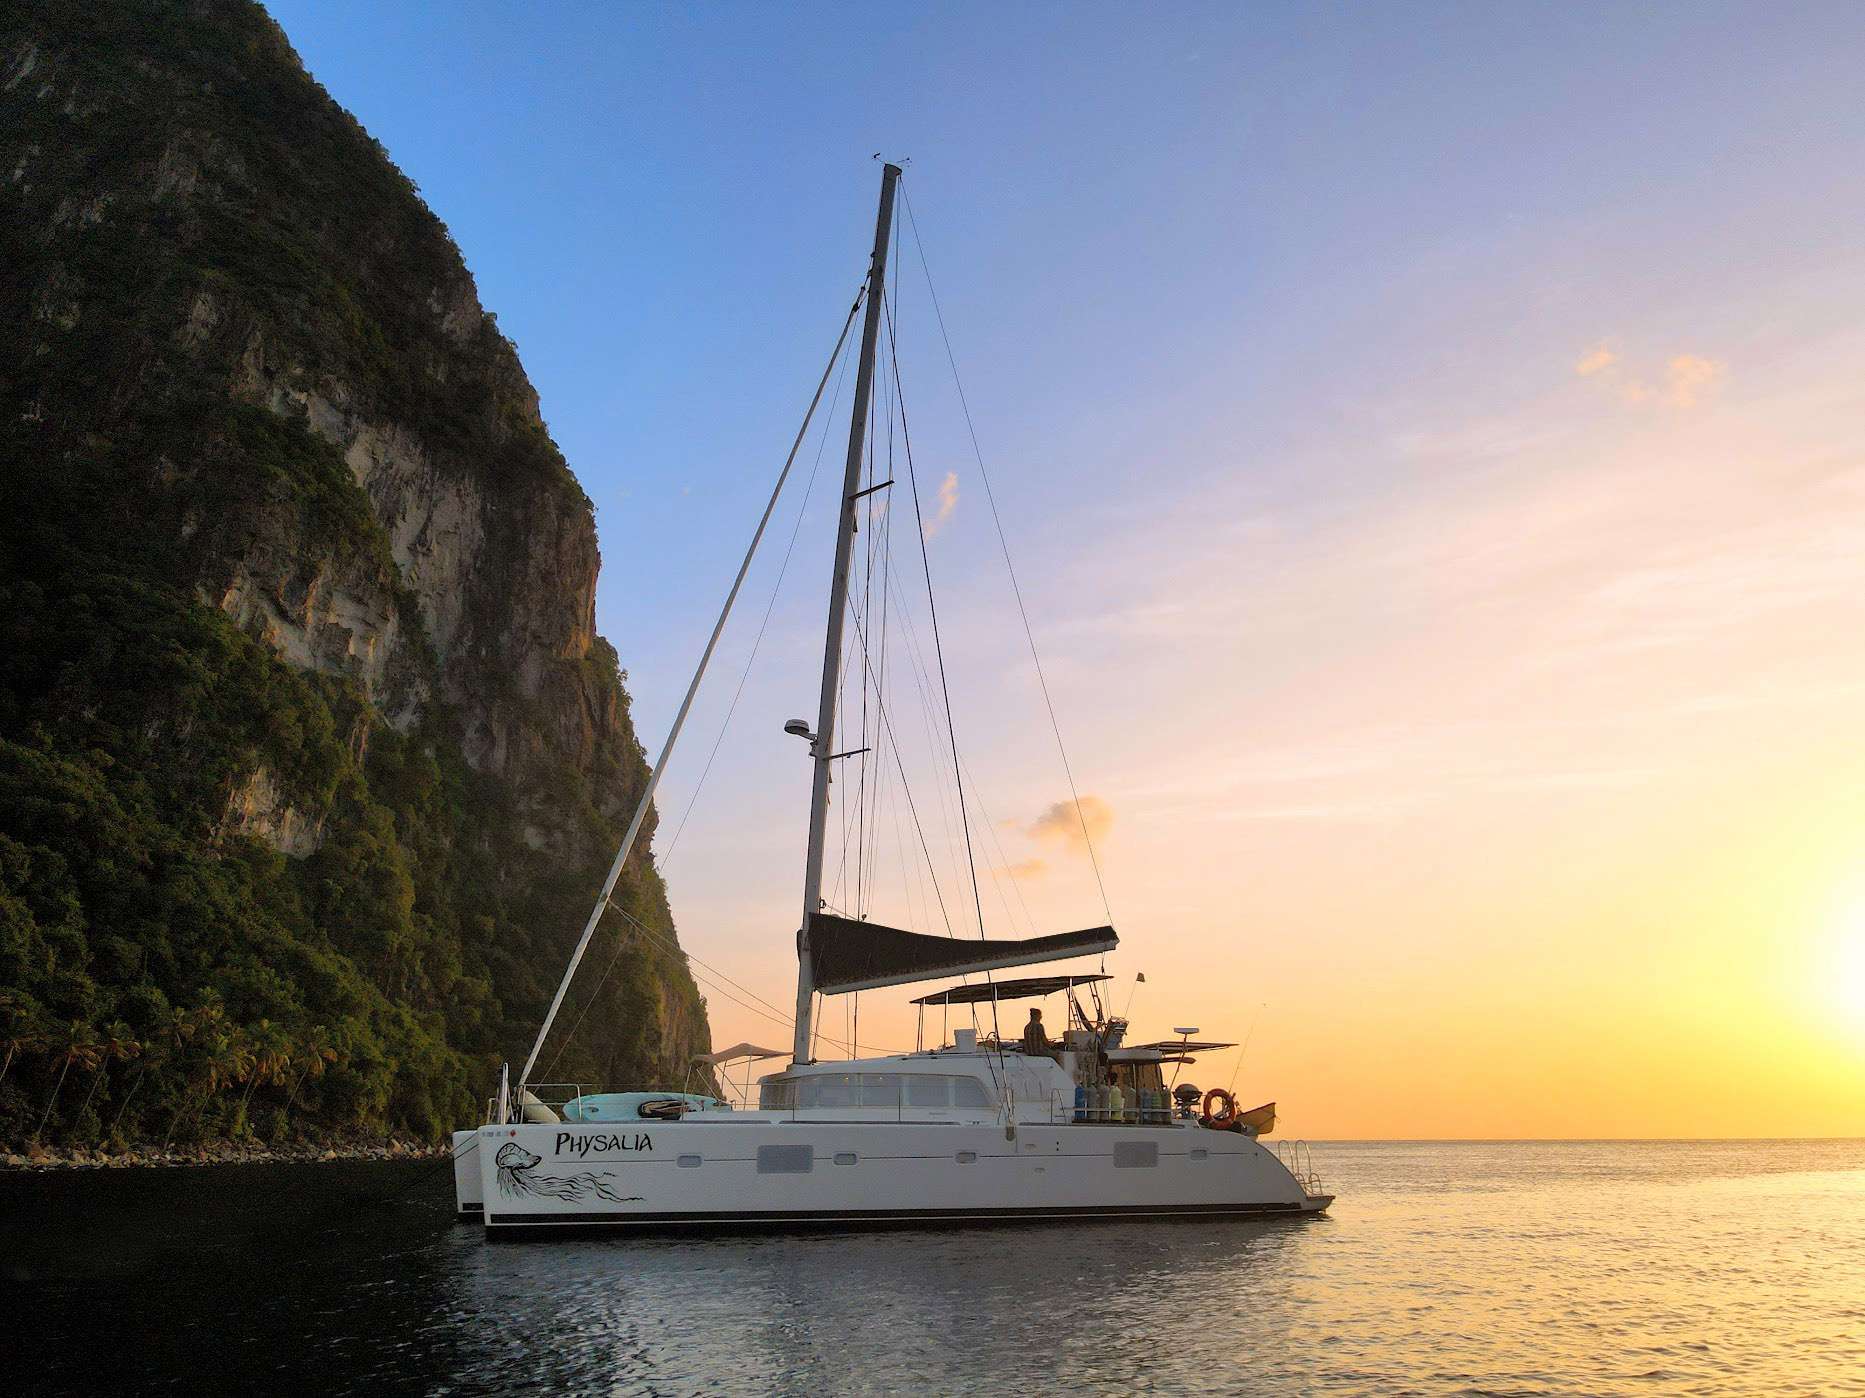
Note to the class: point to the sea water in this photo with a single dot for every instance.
(1522, 1268)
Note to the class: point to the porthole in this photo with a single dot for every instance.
(967, 1157)
(845, 1157)
(1201, 1154)
(689, 1162)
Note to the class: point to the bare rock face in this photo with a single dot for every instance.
(253, 365)
(258, 807)
(483, 597)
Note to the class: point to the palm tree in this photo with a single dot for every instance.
(229, 1060)
(118, 1043)
(188, 1028)
(77, 1045)
(153, 1056)
(271, 1061)
(22, 1027)
(313, 1054)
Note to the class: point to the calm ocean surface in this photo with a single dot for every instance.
(1471, 1268)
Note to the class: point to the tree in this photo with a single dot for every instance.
(190, 1030)
(117, 1045)
(77, 1046)
(314, 1054)
(22, 1027)
(271, 1055)
(153, 1056)
(227, 1058)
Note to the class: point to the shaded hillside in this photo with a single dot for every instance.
(311, 759)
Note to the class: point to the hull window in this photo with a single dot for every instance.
(967, 1157)
(689, 1162)
(1135, 1155)
(786, 1160)
(845, 1157)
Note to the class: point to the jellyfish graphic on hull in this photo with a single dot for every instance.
(518, 1180)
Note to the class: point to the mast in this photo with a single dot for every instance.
(821, 747)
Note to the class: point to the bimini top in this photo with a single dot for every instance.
(1033, 988)
(849, 955)
(750, 1052)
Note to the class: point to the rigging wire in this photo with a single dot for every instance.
(768, 1010)
(645, 803)
(1004, 545)
(919, 671)
(828, 424)
(621, 946)
(989, 825)
(605, 900)
(887, 726)
(932, 610)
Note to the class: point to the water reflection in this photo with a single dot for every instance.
(1537, 1268)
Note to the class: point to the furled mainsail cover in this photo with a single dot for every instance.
(848, 955)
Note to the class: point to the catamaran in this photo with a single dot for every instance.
(979, 1128)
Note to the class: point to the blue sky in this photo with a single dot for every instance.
(1428, 436)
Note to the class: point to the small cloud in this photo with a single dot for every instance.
(1026, 869)
(1689, 376)
(948, 502)
(1073, 827)
(1686, 379)
(1594, 361)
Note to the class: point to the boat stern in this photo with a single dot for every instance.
(469, 1193)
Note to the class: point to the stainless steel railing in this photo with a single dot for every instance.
(1299, 1162)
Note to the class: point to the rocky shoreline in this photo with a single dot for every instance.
(219, 1153)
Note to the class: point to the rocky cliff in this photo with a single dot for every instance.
(310, 753)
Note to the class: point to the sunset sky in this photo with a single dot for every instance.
(1429, 440)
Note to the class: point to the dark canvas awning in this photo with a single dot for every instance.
(1033, 988)
(848, 955)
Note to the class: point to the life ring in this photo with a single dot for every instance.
(1219, 1121)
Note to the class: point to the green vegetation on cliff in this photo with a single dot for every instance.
(310, 760)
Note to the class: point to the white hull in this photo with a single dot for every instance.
(768, 1171)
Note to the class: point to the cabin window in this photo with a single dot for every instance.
(1136, 1155)
(969, 1092)
(845, 1157)
(886, 1091)
(689, 1162)
(968, 1157)
(880, 1089)
(928, 1090)
(828, 1090)
(786, 1160)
